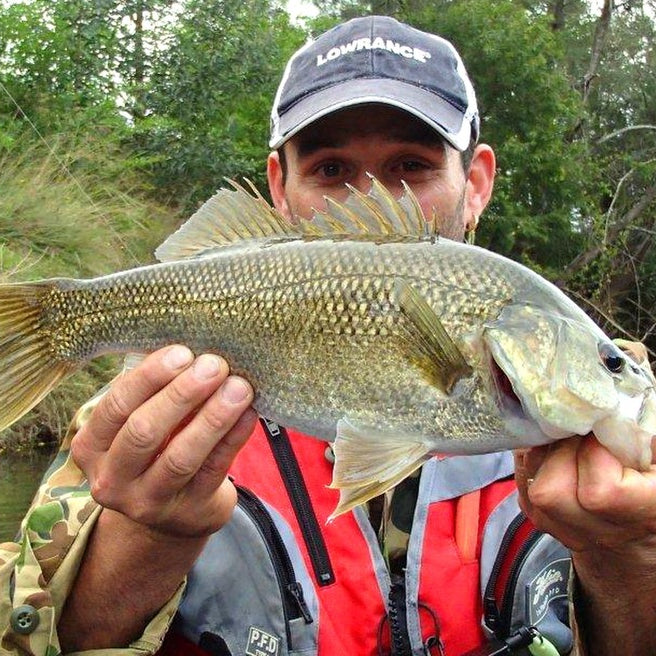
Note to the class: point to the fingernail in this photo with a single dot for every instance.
(177, 357)
(206, 366)
(235, 389)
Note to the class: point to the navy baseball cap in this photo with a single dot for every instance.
(377, 59)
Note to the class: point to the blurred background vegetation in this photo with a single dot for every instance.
(118, 117)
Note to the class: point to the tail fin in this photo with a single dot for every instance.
(29, 368)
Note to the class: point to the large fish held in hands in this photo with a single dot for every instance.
(360, 326)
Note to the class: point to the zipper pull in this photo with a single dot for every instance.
(523, 637)
(541, 646)
(296, 591)
(434, 641)
(491, 611)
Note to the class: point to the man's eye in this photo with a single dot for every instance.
(412, 165)
(330, 169)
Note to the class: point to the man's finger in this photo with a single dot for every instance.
(188, 450)
(218, 462)
(555, 479)
(130, 391)
(146, 430)
(609, 490)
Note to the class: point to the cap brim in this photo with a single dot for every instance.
(446, 119)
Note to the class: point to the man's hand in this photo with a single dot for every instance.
(578, 491)
(605, 513)
(158, 446)
(156, 451)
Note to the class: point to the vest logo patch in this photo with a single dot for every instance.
(261, 643)
(548, 585)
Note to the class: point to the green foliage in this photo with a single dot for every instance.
(71, 209)
(57, 57)
(210, 96)
(617, 268)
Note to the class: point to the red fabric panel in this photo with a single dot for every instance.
(449, 585)
(177, 645)
(350, 611)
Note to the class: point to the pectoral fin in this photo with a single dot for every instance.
(429, 342)
(370, 461)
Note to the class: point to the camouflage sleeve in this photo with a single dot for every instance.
(38, 570)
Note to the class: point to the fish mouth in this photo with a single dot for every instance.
(508, 400)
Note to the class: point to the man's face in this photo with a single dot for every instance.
(388, 143)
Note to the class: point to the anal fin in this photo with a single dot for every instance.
(370, 461)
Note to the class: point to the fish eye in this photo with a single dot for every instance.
(612, 358)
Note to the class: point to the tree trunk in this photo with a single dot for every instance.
(599, 41)
(557, 10)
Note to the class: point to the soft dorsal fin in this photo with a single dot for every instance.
(233, 216)
(228, 217)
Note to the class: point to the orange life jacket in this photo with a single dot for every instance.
(274, 582)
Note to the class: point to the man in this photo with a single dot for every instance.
(271, 577)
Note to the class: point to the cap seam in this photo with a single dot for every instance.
(460, 108)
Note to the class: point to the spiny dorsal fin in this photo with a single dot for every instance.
(234, 216)
(376, 214)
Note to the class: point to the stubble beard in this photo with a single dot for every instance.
(452, 226)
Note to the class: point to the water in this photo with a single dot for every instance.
(19, 479)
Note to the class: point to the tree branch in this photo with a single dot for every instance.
(620, 132)
(558, 13)
(584, 258)
(599, 41)
(582, 299)
(602, 28)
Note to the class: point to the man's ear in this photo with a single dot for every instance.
(480, 182)
(277, 185)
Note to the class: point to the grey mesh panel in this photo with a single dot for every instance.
(233, 587)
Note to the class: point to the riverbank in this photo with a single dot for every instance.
(20, 475)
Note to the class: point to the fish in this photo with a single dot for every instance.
(361, 326)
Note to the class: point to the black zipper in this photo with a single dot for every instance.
(396, 611)
(505, 614)
(498, 617)
(294, 605)
(301, 503)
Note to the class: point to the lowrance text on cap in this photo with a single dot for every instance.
(377, 43)
(377, 60)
